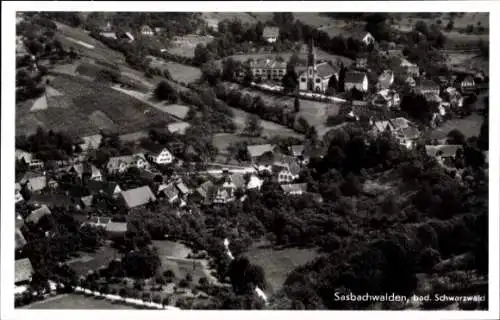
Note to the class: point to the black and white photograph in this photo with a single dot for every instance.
(172, 160)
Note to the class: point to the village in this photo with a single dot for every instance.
(147, 218)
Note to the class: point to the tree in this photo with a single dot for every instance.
(165, 91)
(201, 54)
(483, 140)
(456, 137)
(449, 26)
(296, 104)
(290, 81)
(141, 263)
(211, 73)
(253, 126)
(332, 85)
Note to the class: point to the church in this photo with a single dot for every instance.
(317, 75)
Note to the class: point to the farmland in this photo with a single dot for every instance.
(68, 35)
(184, 46)
(82, 104)
(76, 301)
(277, 264)
(182, 72)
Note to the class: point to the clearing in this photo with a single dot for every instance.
(223, 140)
(77, 106)
(242, 16)
(277, 264)
(171, 248)
(184, 46)
(76, 301)
(93, 261)
(179, 72)
(470, 126)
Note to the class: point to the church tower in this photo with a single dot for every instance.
(311, 66)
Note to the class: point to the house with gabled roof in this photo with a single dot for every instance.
(137, 197)
(356, 79)
(112, 228)
(256, 151)
(121, 164)
(86, 171)
(23, 271)
(35, 182)
(294, 189)
(158, 154)
(109, 188)
(411, 69)
(24, 155)
(442, 153)
(254, 182)
(385, 80)
(91, 142)
(285, 168)
(146, 30)
(18, 197)
(428, 86)
(178, 127)
(204, 193)
(183, 189)
(365, 37)
(37, 214)
(270, 34)
(168, 192)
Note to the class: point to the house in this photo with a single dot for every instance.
(316, 75)
(443, 81)
(226, 191)
(442, 153)
(91, 142)
(361, 61)
(112, 228)
(179, 127)
(36, 164)
(365, 37)
(254, 182)
(18, 197)
(465, 84)
(20, 240)
(382, 126)
(37, 214)
(294, 189)
(285, 168)
(204, 192)
(270, 34)
(256, 151)
(183, 189)
(410, 82)
(23, 271)
(108, 188)
(411, 69)
(213, 23)
(86, 202)
(24, 155)
(34, 181)
(267, 69)
(428, 86)
(137, 197)
(356, 79)
(158, 154)
(86, 171)
(53, 184)
(297, 150)
(122, 163)
(407, 136)
(386, 98)
(168, 192)
(108, 34)
(453, 97)
(159, 30)
(146, 30)
(385, 80)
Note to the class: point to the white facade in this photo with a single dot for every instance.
(361, 86)
(164, 157)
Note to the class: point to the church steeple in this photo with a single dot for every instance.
(311, 57)
(311, 66)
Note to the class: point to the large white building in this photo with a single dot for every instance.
(317, 75)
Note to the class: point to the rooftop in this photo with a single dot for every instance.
(23, 269)
(355, 77)
(37, 214)
(138, 196)
(270, 32)
(445, 150)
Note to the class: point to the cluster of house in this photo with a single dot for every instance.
(110, 31)
(405, 132)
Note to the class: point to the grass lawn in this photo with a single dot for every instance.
(277, 264)
(76, 301)
(171, 248)
(242, 16)
(184, 46)
(469, 126)
(92, 261)
(222, 140)
(85, 106)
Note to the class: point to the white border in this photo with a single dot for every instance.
(7, 145)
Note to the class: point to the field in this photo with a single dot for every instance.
(92, 261)
(68, 35)
(171, 248)
(84, 102)
(177, 110)
(277, 264)
(184, 46)
(76, 301)
(182, 72)
(469, 126)
(222, 140)
(314, 112)
(219, 16)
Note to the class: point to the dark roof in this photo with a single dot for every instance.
(170, 191)
(204, 189)
(182, 187)
(23, 269)
(154, 148)
(354, 77)
(117, 227)
(107, 187)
